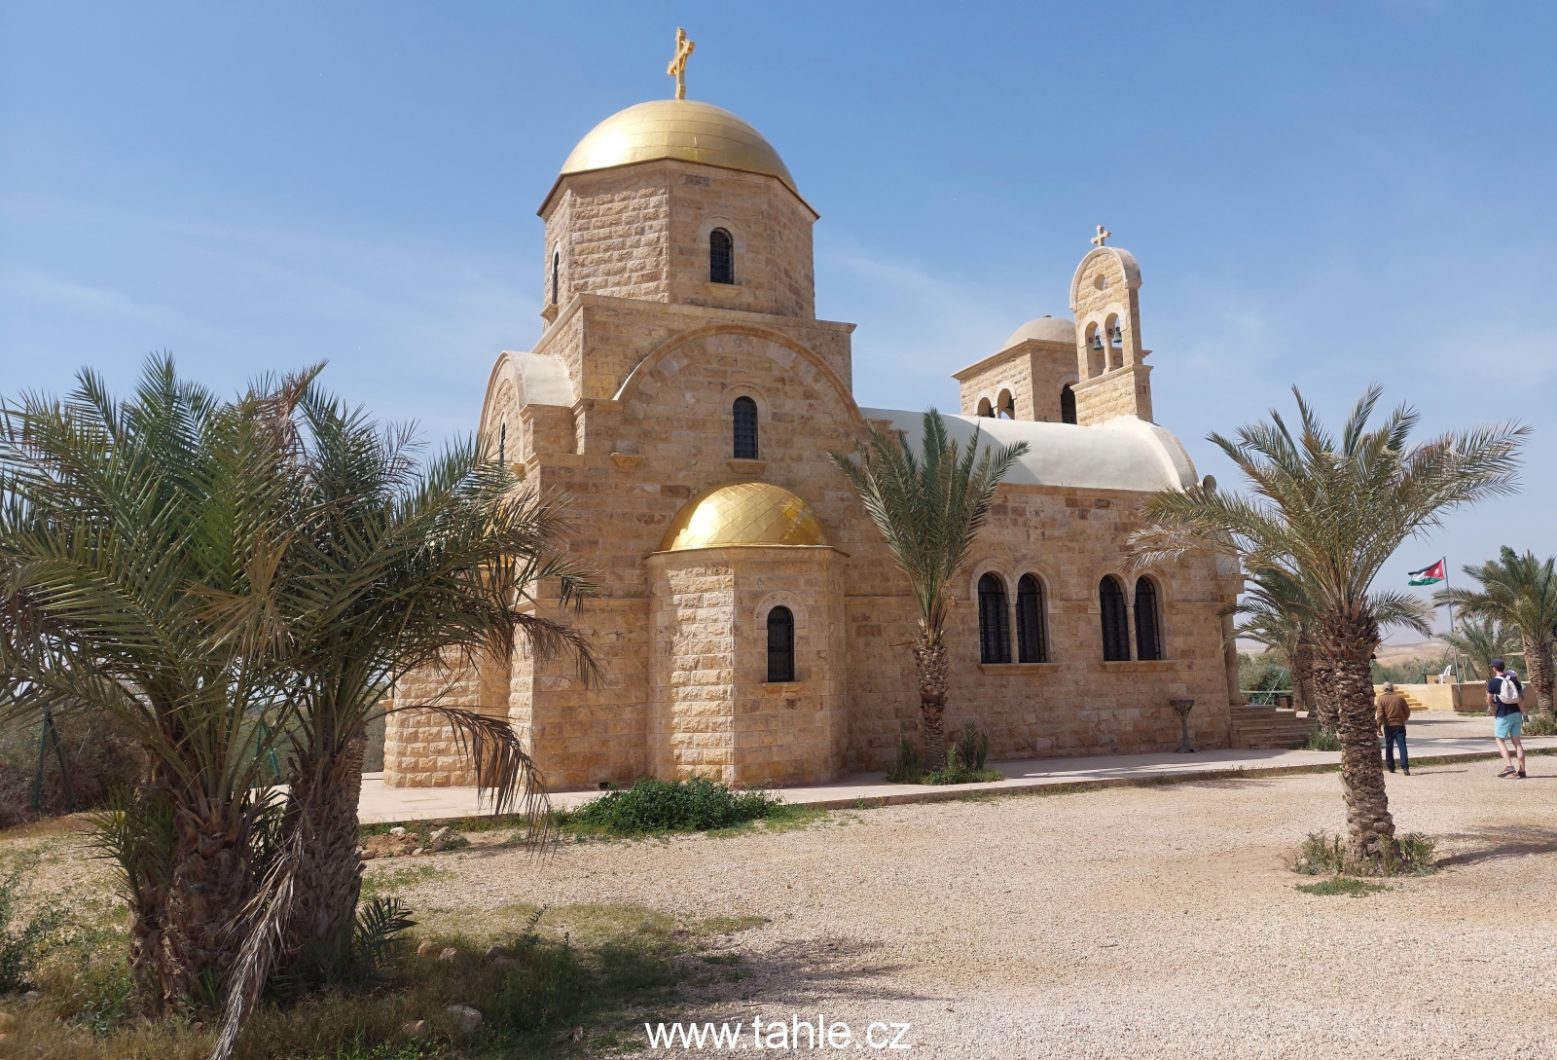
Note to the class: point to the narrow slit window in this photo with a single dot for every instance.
(556, 276)
(721, 257)
(1148, 632)
(745, 412)
(781, 645)
(994, 626)
(1032, 638)
(1116, 630)
(502, 443)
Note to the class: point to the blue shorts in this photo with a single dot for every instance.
(1509, 726)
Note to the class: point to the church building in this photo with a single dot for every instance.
(751, 623)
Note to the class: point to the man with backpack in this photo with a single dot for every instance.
(1504, 693)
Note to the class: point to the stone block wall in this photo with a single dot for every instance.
(1075, 703)
(420, 748)
(1124, 391)
(642, 232)
(1033, 371)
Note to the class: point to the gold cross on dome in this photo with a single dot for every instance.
(678, 64)
(1102, 236)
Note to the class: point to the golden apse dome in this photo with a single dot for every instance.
(682, 129)
(745, 513)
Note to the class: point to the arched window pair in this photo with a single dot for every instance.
(781, 645)
(1004, 407)
(1116, 621)
(1032, 634)
(721, 257)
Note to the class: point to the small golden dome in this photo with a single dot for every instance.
(745, 513)
(677, 128)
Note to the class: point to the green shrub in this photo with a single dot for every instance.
(650, 806)
(972, 747)
(1540, 725)
(1322, 740)
(908, 768)
(956, 771)
(1323, 854)
(24, 939)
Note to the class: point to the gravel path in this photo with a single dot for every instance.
(1155, 922)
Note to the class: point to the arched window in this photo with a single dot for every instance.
(1116, 631)
(721, 257)
(1005, 406)
(1032, 635)
(1115, 342)
(1067, 404)
(781, 645)
(556, 276)
(985, 408)
(745, 428)
(994, 626)
(1148, 634)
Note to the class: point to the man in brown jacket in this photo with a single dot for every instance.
(1390, 713)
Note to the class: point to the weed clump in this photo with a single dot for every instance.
(653, 806)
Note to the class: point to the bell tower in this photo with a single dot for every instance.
(1113, 378)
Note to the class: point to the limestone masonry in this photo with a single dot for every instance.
(752, 624)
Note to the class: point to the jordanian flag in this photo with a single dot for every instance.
(1430, 575)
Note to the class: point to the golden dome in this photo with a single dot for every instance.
(677, 128)
(745, 513)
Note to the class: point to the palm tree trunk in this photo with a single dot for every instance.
(211, 882)
(933, 669)
(323, 803)
(1326, 707)
(1370, 828)
(141, 859)
(1303, 677)
(1539, 664)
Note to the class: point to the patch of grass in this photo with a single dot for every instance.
(391, 880)
(722, 958)
(1322, 740)
(725, 925)
(593, 966)
(25, 935)
(1323, 854)
(658, 807)
(1347, 885)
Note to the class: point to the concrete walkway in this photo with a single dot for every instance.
(1434, 738)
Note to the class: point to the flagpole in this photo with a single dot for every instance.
(1459, 675)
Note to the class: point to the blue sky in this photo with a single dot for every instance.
(1326, 194)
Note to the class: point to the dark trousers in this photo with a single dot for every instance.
(1392, 734)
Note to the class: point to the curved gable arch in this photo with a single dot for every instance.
(646, 368)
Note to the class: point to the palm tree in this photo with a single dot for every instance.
(1272, 611)
(390, 568)
(1280, 616)
(1481, 640)
(929, 506)
(1521, 592)
(112, 514)
(1327, 513)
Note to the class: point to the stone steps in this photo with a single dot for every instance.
(1269, 727)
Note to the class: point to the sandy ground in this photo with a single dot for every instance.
(1155, 922)
(1126, 922)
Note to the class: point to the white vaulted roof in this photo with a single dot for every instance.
(1122, 454)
